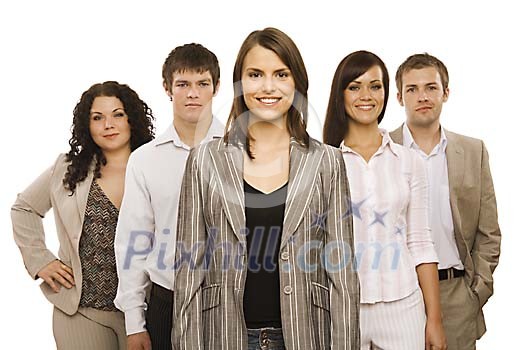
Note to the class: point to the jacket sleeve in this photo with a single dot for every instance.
(189, 259)
(486, 248)
(26, 215)
(344, 282)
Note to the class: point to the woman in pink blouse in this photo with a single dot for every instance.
(395, 256)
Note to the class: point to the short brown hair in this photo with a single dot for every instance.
(190, 57)
(275, 40)
(419, 61)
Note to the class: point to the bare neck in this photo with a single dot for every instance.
(363, 136)
(117, 159)
(426, 137)
(192, 134)
(269, 135)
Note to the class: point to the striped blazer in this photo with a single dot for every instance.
(319, 286)
(47, 192)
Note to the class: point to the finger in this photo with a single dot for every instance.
(52, 284)
(67, 276)
(57, 277)
(67, 268)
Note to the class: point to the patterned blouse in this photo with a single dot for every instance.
(97, 254)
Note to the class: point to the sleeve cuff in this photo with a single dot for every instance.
(425, 256)
(481, 290)
(39, 263)
(135, 321)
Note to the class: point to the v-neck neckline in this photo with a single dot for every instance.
(105, 196)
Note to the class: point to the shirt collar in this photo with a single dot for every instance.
(408, 140)
(216, 130)
(386, 142)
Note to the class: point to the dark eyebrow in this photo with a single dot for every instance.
(116, 109)
(376, 81)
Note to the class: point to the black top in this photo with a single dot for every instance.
(264, 221)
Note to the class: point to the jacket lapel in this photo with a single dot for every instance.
(229, 165)
(81, 194)
(397, 135)
(304, 166)
(455, 164)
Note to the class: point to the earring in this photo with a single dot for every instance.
(171, 99)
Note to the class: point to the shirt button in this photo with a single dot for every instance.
(288, 290)
(285, 256)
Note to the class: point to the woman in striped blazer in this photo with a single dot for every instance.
(265, 247)
(84, 187)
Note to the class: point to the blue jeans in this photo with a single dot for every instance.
(265, 339)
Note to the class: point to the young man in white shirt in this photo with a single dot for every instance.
(146, 231)
(463, 214)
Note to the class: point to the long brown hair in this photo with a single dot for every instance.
(275, 40)
(351, 67)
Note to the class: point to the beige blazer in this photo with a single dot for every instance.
(47, 192)
(474, 212)
(319, 307)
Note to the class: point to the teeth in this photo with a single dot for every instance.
(268, 100)
(365, 108)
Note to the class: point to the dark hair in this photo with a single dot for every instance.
(275, 40)
(420, 61)
(351, 67)
(190, 57)
(83, 149)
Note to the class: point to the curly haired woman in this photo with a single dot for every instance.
(84, 187)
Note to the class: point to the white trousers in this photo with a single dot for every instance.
(395, 325)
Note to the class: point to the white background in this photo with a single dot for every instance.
(51, 51)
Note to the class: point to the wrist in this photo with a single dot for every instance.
(434, 318)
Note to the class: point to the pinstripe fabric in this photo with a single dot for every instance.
(319, 306)
(89, 329)
(395, 325)
(47, 192)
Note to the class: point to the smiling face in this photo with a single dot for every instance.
(191, 93)
(422, 96)
(267, 84)
(108, 124)
(365, 97)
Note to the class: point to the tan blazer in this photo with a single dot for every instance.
(47, 192)
(474, 212)
(319, 307)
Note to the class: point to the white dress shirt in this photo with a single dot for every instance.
(440, 213)
(146, 229)
(389, 202)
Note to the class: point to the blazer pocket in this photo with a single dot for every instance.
(321, 296)
(211, 296)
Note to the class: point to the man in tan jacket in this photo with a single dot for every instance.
(463, 215)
